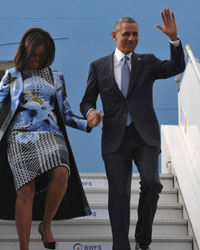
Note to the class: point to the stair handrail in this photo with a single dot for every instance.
(189, 125)
(188, 52)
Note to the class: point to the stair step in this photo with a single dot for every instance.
(99, 227)
(85, 242)
(167, 211)
(100, 180)
(94, 232)
(168, 195)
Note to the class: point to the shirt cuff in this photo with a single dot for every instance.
(175, 43)
(89, 112)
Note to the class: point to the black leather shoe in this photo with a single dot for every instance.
(137, 247)
(49, 245)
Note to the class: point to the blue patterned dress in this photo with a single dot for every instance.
(35, 142)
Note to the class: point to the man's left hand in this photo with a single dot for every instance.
(169, 24)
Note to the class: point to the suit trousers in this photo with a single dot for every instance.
(119, 173)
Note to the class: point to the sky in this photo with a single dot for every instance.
(82, 32)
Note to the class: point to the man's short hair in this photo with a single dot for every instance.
(121, 20)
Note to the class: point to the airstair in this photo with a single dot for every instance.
(170, 229)
(181, 144)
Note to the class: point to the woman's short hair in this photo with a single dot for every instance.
(31, 39)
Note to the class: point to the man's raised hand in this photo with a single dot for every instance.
(169, 24)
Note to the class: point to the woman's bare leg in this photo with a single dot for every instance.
(23, 214)
(56, 190)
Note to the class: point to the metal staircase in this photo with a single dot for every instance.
(170, 229)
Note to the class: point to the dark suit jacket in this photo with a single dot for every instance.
(146, 68)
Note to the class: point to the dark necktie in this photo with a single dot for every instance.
(125, 78)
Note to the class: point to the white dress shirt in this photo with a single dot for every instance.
(118, 60)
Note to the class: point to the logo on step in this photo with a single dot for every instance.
(78, 246)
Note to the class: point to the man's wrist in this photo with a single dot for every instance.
(173, 38)
(89, 112)
(176, 42)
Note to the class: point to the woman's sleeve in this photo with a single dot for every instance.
(71, 119)
(4, 91)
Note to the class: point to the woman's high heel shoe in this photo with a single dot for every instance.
(49, 245)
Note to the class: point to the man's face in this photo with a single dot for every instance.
(126, 37)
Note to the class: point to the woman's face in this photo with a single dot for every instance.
(37, 57)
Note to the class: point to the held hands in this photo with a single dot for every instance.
(169, 24)
(94, 118)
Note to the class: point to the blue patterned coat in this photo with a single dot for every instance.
(74, 203)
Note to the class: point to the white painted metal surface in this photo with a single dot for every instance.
(181, 144)
(189, 109)
(182, 167)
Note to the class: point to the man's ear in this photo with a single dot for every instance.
(113, 35)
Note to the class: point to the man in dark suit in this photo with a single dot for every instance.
(130, 127)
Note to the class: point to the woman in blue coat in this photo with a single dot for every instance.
(37, 164)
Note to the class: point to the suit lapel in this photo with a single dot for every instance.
(136, 63)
